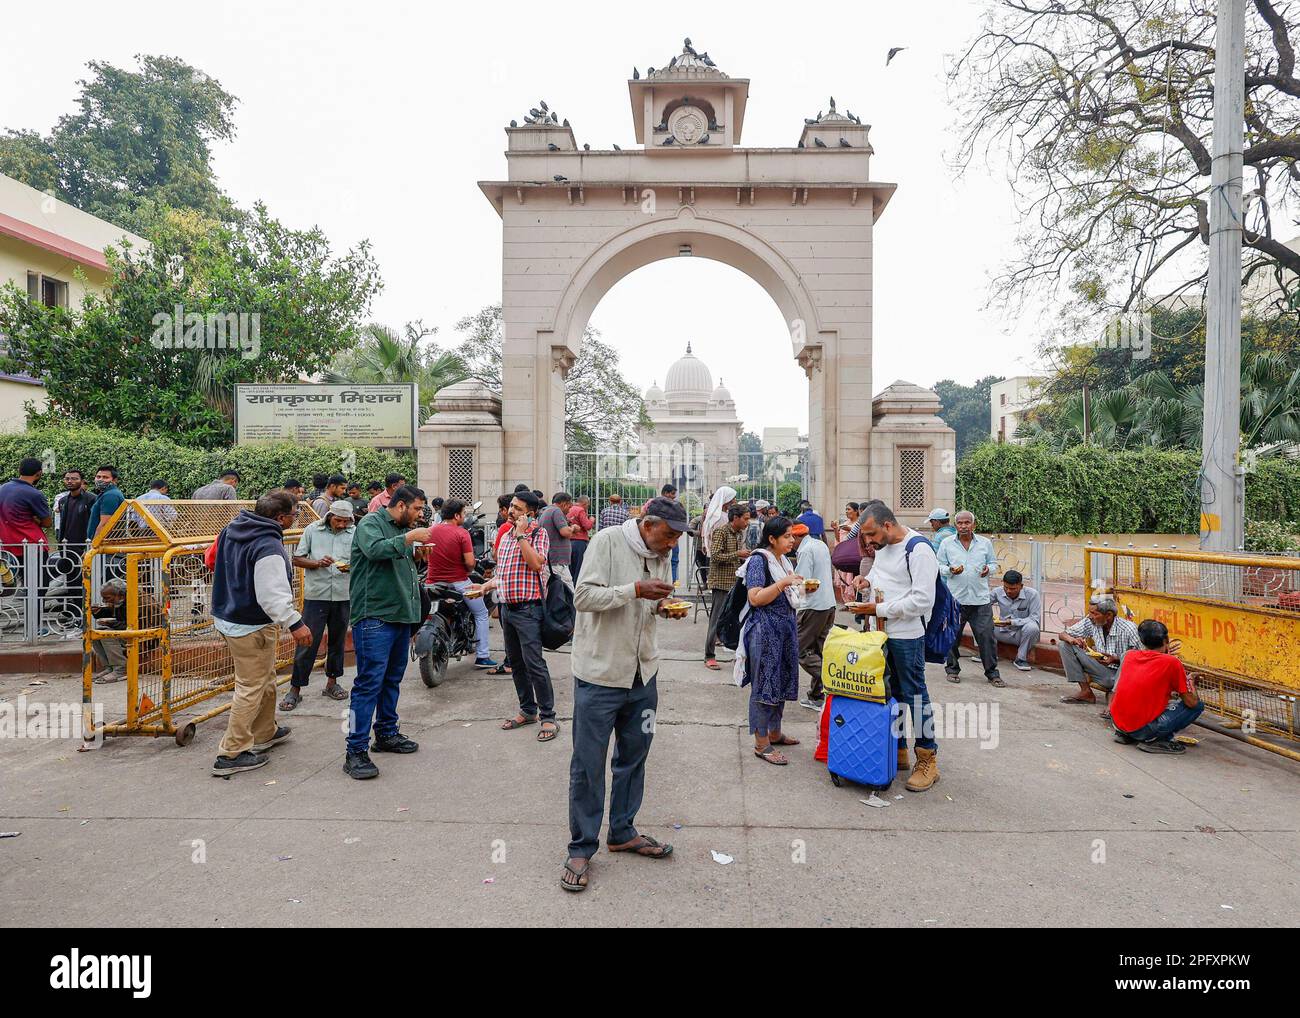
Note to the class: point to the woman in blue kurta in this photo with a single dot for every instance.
(769, 661)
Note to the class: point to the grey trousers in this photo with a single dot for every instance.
(598, 712)
(980, 617)
(1025, 638)
(814, 624)
(1079, 667)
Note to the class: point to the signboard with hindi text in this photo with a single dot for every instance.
(376, 416)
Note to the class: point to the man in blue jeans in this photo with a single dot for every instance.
(1149, 677)
(385, 592)
(624, 583)
(905, 582)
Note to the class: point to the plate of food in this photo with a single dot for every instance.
(1093, 652)
(811, 585)
(341, 566)
(676, 609)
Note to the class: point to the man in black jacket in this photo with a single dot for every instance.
(252, 597)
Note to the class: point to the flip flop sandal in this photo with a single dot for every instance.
(547, 734)
(513, 723)
(645, 841)
(953, 678)
(713, 664)
(768, 753)
(499, 670)
(291, 700)
(579, 882)
(997, 682)
(785, 740)
(1075, 699)
(335, 692)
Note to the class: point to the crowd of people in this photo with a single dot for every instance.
(366, 561)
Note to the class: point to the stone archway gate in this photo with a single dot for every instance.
(798, 220)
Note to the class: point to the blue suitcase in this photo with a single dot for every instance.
(862, 742)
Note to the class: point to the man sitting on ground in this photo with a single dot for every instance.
(1141, 709)
(1110, 638)
(1018, 613)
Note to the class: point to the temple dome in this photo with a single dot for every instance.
(654, 394)
(689, 377)
(721, 394)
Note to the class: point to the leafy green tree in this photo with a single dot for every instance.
(140, 140)
(601, 407)
(115, 360)
(383, 356)
(965, 409)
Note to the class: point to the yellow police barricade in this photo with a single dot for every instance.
(1238, 618)
(152, 556)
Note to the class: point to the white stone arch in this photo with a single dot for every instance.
(662, 238)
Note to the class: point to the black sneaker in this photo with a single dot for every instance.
(1162, 746)
(359, 766)
(395, 743)
(246, 761)
(281, 733)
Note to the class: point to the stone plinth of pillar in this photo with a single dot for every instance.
(460, 452)
(913, 453)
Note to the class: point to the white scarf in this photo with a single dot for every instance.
(715, 515)
(632, 534)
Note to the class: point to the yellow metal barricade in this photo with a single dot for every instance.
(1238, 617)
(175, 659)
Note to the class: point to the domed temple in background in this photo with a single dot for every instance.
(695, 434)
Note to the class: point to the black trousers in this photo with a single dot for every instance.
(521, 625)
(321, 616)
(980, 617)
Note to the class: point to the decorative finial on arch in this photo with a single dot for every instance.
(688, 346)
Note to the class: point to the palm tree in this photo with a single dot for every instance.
(384, 357)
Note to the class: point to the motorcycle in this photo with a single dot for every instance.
(449, 630)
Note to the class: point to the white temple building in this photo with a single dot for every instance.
(695, 433)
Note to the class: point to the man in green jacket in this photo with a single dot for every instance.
(385, 593)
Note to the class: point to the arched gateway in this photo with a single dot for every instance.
(797, 220)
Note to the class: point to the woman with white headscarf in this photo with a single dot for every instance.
(715, 515)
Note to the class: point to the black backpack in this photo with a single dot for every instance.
(558, 613)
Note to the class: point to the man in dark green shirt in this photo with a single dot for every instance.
(384, 586)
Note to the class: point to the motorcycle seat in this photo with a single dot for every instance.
(444, 591)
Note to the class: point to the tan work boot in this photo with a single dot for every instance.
(904, 763)
(925, 773)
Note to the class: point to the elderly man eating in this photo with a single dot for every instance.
(1093, 647)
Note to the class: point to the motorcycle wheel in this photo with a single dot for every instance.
(433, 669)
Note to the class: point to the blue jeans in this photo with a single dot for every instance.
(382, 650)
(598, 712)
(906, 660)
(478, 607)
(1168, 724)
(676, 554)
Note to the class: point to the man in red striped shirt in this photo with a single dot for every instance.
(520, 584)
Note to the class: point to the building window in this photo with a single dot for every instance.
(460, 474)
(53, 293)
(911, 479)
(1003, 397)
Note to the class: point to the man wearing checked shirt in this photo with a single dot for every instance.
(965, 562)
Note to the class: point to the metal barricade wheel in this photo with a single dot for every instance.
(185, 734)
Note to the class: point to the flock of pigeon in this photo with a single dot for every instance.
(543, 114)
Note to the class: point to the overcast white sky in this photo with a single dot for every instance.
(376, 120)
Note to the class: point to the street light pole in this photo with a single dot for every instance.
(1222, 489)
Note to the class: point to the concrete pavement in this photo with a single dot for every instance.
(1054, 825)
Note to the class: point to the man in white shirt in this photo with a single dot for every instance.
(818, 613)
(904, 573)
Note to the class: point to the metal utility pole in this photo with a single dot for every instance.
(1222, 482)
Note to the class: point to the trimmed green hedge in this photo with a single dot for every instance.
(1030, 490)
(141, 460)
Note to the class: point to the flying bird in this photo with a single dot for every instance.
(636, 75)
(893, 52)
(552, 147)
(819, 143)
(559, 179)
(844, 144)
